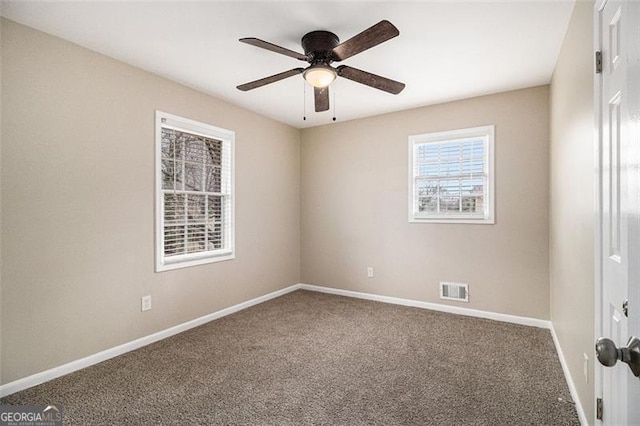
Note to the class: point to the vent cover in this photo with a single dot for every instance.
(454, 291)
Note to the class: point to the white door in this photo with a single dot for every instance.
(618, 96)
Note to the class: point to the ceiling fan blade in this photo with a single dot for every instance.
(274, 48)
(372, 80)
(270, 79)
(322, 98)
(372, 36)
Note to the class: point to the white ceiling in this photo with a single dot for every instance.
(446, 50)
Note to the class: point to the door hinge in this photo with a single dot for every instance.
(598, 62)
(599, 409)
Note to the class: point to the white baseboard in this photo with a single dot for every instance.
(567, 375)
(45, 376)
(533, 322)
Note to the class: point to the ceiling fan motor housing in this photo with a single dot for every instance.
(318, 45)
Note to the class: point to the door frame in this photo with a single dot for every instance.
(598, 279)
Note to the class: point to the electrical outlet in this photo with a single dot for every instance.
(370, 271)
(146, 303)
(585, 368)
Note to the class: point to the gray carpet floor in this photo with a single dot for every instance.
(311, 358)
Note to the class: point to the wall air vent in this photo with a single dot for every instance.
(454, 291)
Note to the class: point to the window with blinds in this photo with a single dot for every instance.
(194, 193)
(451, 176)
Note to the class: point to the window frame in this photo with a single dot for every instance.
(486, 132)
(162, 263)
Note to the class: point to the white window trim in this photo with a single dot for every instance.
(207, 130)
(489, 216)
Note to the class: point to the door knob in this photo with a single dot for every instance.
(608, 354)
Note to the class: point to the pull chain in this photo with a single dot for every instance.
(304, 101)
(334, 104)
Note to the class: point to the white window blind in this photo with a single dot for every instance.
(451, 176)
(195, 193)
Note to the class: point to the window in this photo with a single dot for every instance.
(194, 193)
(451, 176)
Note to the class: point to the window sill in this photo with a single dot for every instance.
(169, 266)
(462, 221)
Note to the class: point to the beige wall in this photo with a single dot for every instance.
(354, 208)
(78, 205)
(572, 204)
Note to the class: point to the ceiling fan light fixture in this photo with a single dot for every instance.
(319, 75)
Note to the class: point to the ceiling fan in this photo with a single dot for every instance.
(321, 48)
